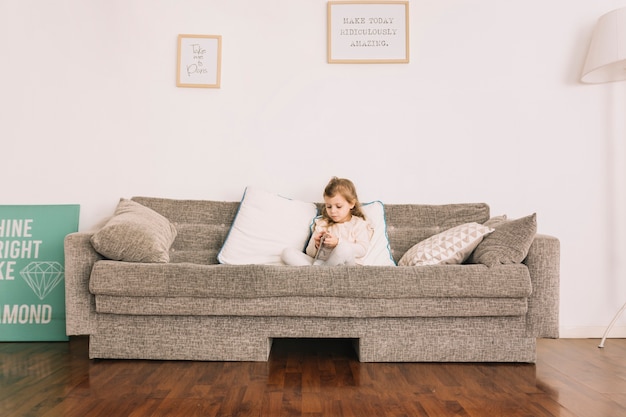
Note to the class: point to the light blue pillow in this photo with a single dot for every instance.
(379, 252)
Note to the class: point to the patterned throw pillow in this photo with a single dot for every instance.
(452, 246)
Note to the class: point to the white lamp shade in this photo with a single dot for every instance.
(606, 59)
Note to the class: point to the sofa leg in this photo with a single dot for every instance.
(356, 345)
(270, 343)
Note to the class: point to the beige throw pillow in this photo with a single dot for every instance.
(135, 233)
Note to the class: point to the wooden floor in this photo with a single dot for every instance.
(572, 377)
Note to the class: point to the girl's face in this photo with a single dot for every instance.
(338, 208)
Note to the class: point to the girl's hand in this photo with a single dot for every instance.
(317, 238)
(331, 241)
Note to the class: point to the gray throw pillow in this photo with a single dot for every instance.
(508, 244)
(135, 233)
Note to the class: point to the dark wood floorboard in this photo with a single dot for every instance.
(312, 378)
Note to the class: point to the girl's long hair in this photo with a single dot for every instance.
(346, 188)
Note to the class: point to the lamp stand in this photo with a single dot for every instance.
(619, 313)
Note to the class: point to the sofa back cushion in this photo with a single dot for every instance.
(408, 224)
(203, 225)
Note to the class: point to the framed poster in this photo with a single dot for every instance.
(32, 271)
(368, 32)
(199, 61)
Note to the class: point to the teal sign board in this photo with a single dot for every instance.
(32, 271)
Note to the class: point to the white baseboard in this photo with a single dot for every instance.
(591, 332)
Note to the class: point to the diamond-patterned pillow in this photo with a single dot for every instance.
(452, 246)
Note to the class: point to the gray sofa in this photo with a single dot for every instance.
(193, 308)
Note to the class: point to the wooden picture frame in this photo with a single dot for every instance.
(199, 61)
(366, 32)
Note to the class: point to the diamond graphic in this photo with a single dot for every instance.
(42, 277)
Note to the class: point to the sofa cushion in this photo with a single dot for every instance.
(264, 226)
(411, 223)
(495, 220)
(509, 243)
(379, 252)
(135, 233)
(452, 246)
(295, 306)
(257, 281)
(201, 226)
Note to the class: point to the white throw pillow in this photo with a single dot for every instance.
(264, 226)
(379, 252)
(452, 246)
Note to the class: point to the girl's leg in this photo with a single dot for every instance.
(341, 255)
(295, 257)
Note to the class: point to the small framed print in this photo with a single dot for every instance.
(368, 32)
(199, 61)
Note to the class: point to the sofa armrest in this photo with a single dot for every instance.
(543, 262)
(80, 305)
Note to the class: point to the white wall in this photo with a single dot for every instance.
(489, 109)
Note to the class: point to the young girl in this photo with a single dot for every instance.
(341, 234)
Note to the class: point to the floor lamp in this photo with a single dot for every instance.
(606, 62)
